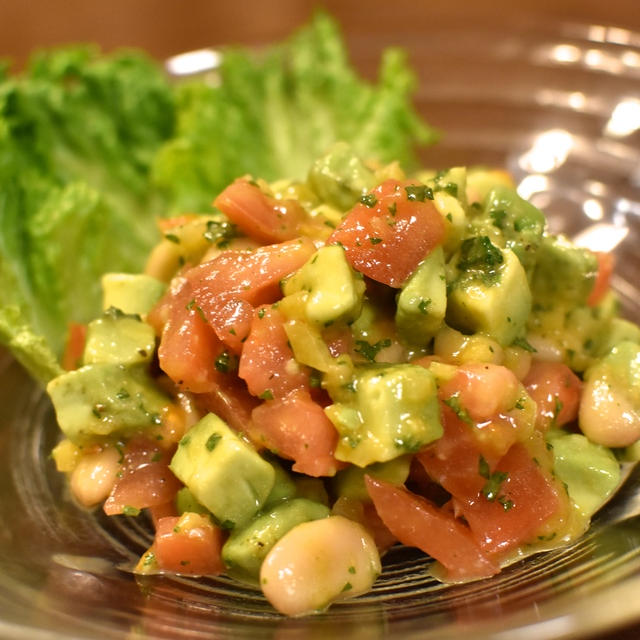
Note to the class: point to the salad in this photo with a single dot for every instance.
(321, 368)
(342, 354)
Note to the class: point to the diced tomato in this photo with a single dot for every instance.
(259, 215)
(452, 461)
(524, 498)
(253, 276)
(267, 364)
(227, 288)
(165, 510)
(188, 345)
(74, 348)
(146, 479)
(606, 263)
(188, 545)
(387, 240)
(365, 513)
(233, 403)
(297, 429)
(556, 390)
(417, 522)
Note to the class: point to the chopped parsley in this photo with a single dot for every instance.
(419, 192)
(370, 351)
(523, 344)
(453, 402)
(212, 441)
(493, 485)
(267, 394)
(369, 200)
(128, 510)
(226, 362)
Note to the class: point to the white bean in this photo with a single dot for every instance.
(606, 416)
(94, 476)
(319, 562)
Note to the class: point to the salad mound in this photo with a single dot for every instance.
(326, 366)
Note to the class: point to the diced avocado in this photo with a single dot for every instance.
(619, 330)
(563, 272)
(512, 223)
(387, 411)
(450, 199)
(579, 333)
(247, 547)
(590, 471)
(491, 293)
(334, 290)
(422, 302)
(620, 368)
(106, 399)
(340, 177)
(223, 472)
(350, 482)
(284, 486)
(116, 337)
(481, 180)
(187, 503)
(131, 293)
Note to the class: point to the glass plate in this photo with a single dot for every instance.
(557, 105)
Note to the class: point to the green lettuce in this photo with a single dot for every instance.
(272, 115)
(94, 148)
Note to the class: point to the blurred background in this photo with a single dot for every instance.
(166, 27)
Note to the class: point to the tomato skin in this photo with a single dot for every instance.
(259, 215)
(556, 390)
(298, 429)
(606, 263)
(267, 364)
(417, 522)
(387, 241)
(227, 288)
(74, 348)
(193, 548)
(526, 500)
(146, 480)
(188, 345)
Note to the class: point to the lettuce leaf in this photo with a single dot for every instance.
(94, 148)
(272, 115)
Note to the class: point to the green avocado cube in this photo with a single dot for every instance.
(116, 337)
(248, 546)
(386, 412)
(223, 472)
(491, 294)
(333, 289)
(564, 273)
(340, 178)
(105, 399)
(422, 302)
(590, 471)
(350, 482)
(134, 293)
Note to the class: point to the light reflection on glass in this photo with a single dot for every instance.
(593, 209)
(566, 53)
(549, 151)
(630, 59)
(192, 62)
(625, 118)
(531, 185)
(601, 237)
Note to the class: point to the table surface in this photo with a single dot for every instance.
(164, 28)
